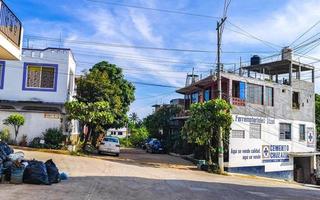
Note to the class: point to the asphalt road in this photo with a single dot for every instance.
(136, 175)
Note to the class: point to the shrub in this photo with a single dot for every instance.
(5, 135)
(124, 142)
(53, 138)
(35, 143)
(138, 136)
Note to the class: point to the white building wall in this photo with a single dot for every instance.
(248, 152)
(13, 79)
(115, 132)
(35, 123)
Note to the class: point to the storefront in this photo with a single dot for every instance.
(276, 148)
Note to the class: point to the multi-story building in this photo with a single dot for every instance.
(38, 87)
(273, 130)
(11, 33)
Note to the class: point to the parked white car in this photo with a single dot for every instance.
(110, 145)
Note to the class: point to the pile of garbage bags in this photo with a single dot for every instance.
(15, 169)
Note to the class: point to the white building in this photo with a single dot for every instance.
(38, 87)
(120, 133)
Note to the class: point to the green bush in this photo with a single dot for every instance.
(124, 142)
(138, 136)
(5, 135)
(53, 138)
(35, 143)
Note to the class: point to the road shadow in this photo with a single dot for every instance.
(139, 157)
(136, 188)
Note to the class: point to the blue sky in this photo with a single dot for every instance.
(278, 22)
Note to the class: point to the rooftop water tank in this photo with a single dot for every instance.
(255, 60)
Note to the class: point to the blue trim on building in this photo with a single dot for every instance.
(260, 171)
(54, 89)
(3, 72)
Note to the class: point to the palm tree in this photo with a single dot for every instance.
(133, 117)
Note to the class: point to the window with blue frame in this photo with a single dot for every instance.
(40, 77)
(238, 89)
(2, 66)
(195, 97)
(207, 95)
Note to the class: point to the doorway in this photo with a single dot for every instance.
(302, 169)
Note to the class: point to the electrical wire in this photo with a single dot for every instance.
(304, 33)
(154, 9)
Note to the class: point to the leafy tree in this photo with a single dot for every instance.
(103, 99)
(133, 118)
(317, 102)
(15, 120)
(203, 124)
(161, 120)
(138, 135)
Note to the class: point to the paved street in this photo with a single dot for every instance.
(137, 175)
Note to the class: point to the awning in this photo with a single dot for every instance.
(304, 154)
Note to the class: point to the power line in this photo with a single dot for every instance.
(269, 44)
(91, 43)
(309, 29)
(115, 45)
(154, 9)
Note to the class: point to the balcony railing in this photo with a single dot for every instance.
(10, 25)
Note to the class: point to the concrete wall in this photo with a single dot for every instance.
(35, 123)
(13, 79)
(282, 100)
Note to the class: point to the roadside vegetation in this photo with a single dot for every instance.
(198, 135)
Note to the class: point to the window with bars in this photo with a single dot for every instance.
(302, 132)
(269, 96)
(255, 131)
(285, 131)
(40, 77)
(255, 94)
(237, 134)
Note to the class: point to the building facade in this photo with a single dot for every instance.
(273, 131)
(120, 132)
(38, 87)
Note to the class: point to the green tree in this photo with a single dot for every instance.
(138, 135)
(102, 101)
(15, 120)
(161, 120)
(203, 124)
(317, 104)
(133, 118)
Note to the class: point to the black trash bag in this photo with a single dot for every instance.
(3, 154)
(6, 148)
(36, 173)
(53, 172)
(7, 167)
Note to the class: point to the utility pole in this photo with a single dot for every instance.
(220, 147)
